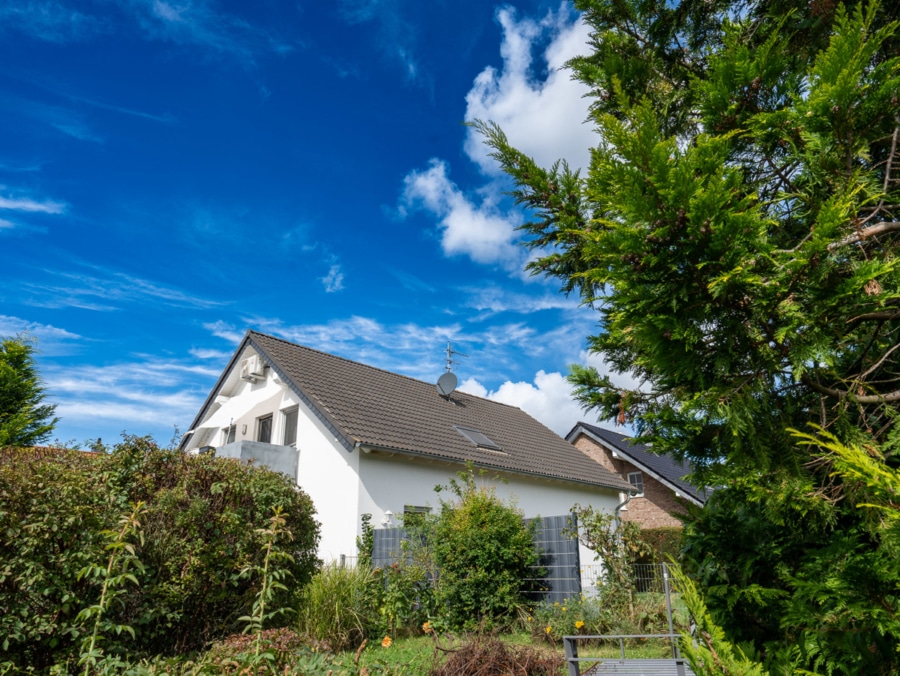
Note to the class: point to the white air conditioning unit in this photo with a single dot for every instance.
(252, 368)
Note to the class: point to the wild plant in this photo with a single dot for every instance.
(122, 560)
(272, 573)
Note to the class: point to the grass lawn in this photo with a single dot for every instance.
(415, 655)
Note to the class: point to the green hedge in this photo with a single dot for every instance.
(199, 530)
(664, 542)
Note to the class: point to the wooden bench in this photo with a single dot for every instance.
(668, 666)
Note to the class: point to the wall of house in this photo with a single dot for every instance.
(392, 482)
(326, 471)
(658, 505)
(329, 474)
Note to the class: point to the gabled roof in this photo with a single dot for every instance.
(375, 409)
(663, 468)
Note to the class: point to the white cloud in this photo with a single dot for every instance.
(493, 300)
(29, 205)
(542, 113)
(548, 399)
(396, 35)
(51, 340)
(334, 280)
(625, 381)
(478, 231)
(225, 331)
(150, 395)
(542, 116)
(6, 224)
(100, 291)
(48, 20)
(204, 353)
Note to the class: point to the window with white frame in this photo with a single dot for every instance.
(264, 429)
(636, 479)
(228, 434)
(289, 435)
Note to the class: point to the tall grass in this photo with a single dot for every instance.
(340, 606)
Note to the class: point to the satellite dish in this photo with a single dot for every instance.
(447, 383)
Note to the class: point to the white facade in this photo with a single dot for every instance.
(345, 483)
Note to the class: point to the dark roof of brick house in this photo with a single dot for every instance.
(663, 467)
(372, 408)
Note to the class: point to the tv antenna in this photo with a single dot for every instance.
(448, 380)
(450, 360)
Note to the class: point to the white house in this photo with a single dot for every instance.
(362, 440)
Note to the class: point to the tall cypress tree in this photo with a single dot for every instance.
(24, 419)
(737, 232)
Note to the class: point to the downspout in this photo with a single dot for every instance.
(621, 505)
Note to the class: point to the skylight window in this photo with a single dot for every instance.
(477, 438)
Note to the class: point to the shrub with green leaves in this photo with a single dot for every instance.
(340, 606)
(52, 518)
(200, 529)
(484, 551)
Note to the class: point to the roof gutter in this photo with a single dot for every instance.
(366, 447)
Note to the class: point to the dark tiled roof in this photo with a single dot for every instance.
(388, 411)
(664, 466)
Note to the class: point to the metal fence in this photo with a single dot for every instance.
(648, 577)
(556, 577)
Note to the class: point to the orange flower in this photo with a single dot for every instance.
(427, 628)
(386, 642)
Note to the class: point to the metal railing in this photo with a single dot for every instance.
(675, 663)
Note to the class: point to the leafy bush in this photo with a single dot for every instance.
(602, 614)
(340, 606)
(51, 520)
(662, 542)
(483, 551)
(199, 526)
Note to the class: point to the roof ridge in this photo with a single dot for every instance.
(374, 368)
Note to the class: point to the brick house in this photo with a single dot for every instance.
(659, 479)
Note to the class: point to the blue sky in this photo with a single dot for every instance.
(173, 172)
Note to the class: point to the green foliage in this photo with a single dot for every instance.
(341, 606)
(272, 572)
(708, 651)
(24, 419)
(52, 518)
(737, 232)
(200, 528)
(617, 543)
(122, 558)
(483, 551)
(603, 614)
(663, 544)
(365, 543)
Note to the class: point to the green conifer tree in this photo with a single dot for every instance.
(737, 231)
(24, 419)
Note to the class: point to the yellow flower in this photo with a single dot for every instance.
(579, 624)
(564, 609)
(386, 642)
(427, 628)
(548, 629)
